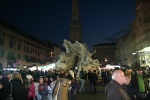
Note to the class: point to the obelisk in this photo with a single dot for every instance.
(75, 25)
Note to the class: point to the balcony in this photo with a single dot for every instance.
(32, 60)
(49, 59)
(42, 62)
(11, 58)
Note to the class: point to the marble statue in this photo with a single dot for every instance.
(75, 50)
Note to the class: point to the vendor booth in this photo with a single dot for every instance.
(43, 68)
(144, 56)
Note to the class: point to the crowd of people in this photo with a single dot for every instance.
(49, 85)
(128, 85)
(121, 84)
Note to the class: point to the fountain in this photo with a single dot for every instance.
(78, 55)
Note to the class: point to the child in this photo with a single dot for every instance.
(42, 89)
(51, 87)
(74, 86)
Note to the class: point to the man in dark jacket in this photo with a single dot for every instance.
(114, 90)
(5, 81)
(82, 80)
(17, 87)
(93, 81)
(2, 83)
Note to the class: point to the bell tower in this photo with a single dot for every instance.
(75, 31)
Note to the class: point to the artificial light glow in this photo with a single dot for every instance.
(134, 53)
(43, 68)
(105, 59)
(112, 66)
(51, 54)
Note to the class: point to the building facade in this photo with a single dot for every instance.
(19, 49)
(134, 48)
(105, 53)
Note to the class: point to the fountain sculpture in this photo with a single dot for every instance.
(78, 55)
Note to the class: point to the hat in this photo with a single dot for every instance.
(28, 76)
(138, 69)
(7, 73)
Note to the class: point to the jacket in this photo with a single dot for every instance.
(18, 90)
(114, 91)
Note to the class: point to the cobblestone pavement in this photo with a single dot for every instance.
(100, 95)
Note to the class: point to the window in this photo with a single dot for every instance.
(27, 49)
(11, 56)
(36, 52)
(2, 33)
(18, 56)
(11, 37)
(24, 49)
(1, 53)
(31, 50)
(1, 41)
(10, 44)
(19, 46)
(26, 57)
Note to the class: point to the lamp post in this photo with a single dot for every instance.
(106, 60)
(135, 63)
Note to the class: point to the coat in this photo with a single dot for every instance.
(132, 92)
(43, 91)
(61, 89)
(134, 83)
(31, 92)
(5, 91)
(18, 90)
(50, 90)
(114, 91)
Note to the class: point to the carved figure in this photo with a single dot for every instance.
(74, 50)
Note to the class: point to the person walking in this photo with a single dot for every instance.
(82, 80)
(93, 82)
(74, 87)
(114, 90)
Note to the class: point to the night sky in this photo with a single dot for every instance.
(49, 19)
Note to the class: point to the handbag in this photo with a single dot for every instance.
(10, 96)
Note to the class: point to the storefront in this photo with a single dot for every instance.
(144, 57)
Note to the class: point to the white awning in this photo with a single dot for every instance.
(147, 49)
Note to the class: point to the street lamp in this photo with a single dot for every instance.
(134, 53)
(105, 60)
(134, 61)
